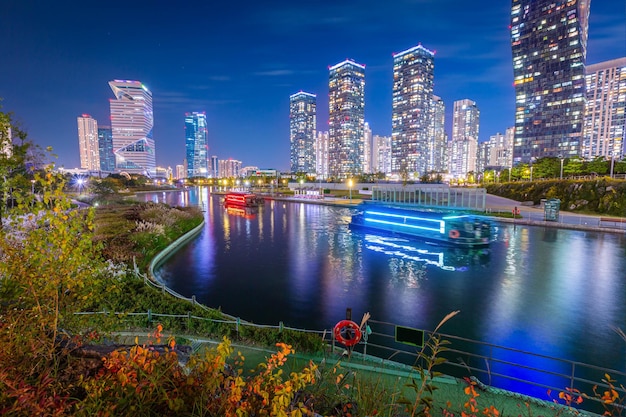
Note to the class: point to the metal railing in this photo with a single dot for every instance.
(491, 365)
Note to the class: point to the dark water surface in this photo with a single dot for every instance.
(551, 291)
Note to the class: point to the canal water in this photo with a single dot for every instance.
(550, 291)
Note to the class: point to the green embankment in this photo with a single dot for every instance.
(600, 196)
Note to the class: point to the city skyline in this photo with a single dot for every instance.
(252, 59)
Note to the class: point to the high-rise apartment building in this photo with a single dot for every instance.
(105, 148)
(302, 128)
(214, 167)
(88, 142)
(367, 149)
(496, 153)
(181, 171)
(412, 101)
(438, 153)
(464, 144)
(549, 42)
(131, 123)
(196, 145)
(229, 168)
(501, 153)
(321, 155)
(605, 115)
(381, 154)
(346, 119)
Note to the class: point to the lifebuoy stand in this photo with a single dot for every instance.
(347, 332)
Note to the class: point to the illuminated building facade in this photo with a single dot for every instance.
(131, 124)
(381, 154)
(438, 152)
(88, 142)
(105, 148)
(196, 145)
(464, 144)
(367, 149)
(302, 128)
(346, 119)
(321, 154)
(605, 115)
(229, 168)
(412, 101)
(549, 42)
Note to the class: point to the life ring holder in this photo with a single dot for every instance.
(347, 333)
(454, 234)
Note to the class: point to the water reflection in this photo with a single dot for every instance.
(555, 292)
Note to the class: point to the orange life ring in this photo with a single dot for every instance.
(454, 234)
(347, 332)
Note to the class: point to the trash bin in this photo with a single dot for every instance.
(551, 209)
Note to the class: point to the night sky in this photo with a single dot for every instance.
(239, 61)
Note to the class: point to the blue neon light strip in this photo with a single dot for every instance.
(404, 225)
(441, 229)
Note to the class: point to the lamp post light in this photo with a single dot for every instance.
(531, 173)
(301, 187)
(612, 162)
(350, 189)
(561, 174)
(32, 186)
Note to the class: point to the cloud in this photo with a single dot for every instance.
(275, 73)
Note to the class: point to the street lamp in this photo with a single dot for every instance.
(612, 162)
(531, 173)
(561, 158)
(350, 189)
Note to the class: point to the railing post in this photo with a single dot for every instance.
(573, 375)
(193, 300)
(280, 327)
(237, 325)
(149, 316)
(188, 320)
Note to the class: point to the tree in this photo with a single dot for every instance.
(14, 159)
(599, 165)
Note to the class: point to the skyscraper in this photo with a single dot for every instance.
(196, 145)
(346, 119)
(367, 148)
(605, 115)
(438, 154)
(105, 148)
(411, 123)
(88, 142)
(464, 144)
(302, 128)
(321, 154)
(131, 123)
(381, 154)
(549, 42)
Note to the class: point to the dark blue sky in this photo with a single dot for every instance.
(239, 61)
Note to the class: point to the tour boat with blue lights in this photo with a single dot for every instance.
(456, 229)
(243, 199)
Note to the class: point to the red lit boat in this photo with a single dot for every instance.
(243, 199)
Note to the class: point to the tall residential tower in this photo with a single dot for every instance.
(302, 129)
(412, 116)
(346, 119)
(549, 42)
(131, 124)
(464, 144)
(88, 142)
(196, 145)
(605, 115)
